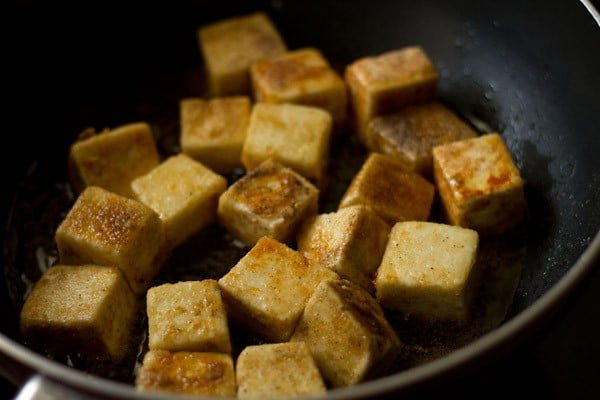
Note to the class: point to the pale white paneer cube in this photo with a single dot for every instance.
(428, 271)
(184, 193)
(347, 333)
(302, 76)
(104, 228)
(85, 309)
(479, 184)
(230, 46)
(383, 185)
(295, 135)
(410, 135)
(387, 82)
(187, 373)
(187, 316)
(267, 289)
(271, 200)
(113, 158)
(213, 131)
(350, 241)
(276, 370)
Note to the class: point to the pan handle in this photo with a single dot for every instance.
(39, 387)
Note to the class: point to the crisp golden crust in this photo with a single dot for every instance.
(271, 200)
(395, 195)
(230, 46)
(347, 333)
(204, 374)
(410, 135)
(213, 131)
(479, 184)
(388, 82)
(302, 76)
(104, 228)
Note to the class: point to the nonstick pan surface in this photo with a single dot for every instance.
(525, 69)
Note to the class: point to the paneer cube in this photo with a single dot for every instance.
(184, 193)
(385, 187)
(410, 135)
(387, 82)
(213, 131)
(302, 76)
(187, 316)
(479, 184)
(104, 228)
(277, 370)
(85, 309)
(113, 158)
(230, 46)
(187, 373)
(347, 333)
(271, 200)
(350, 241)
(428, 270)
(295, 135)
(267, 289)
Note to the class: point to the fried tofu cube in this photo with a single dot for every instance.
(295, 135)
(347, 333)
(271, 200)
(104, 228)
(230, 46)
(187, 316)
(277, 370)
(479, 185)
(188, 373)
(385, 187)
(85, 309)
(349, 241)
(387, 82)
(410, 135)
(267, 289)
(184, 193)
(213, 131)
(428, 270)
(113, 158)
(301, 76)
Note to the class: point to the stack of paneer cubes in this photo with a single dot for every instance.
(313, 286)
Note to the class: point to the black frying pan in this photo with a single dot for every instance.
(526, 69)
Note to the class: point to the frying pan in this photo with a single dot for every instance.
(528, 70)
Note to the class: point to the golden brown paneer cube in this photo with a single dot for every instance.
(350, 241)
(85, 309)
(385, 187)
(187, 316)
(347, 333)
(113, 158)
(267, 289)
(184, 193)
(302, 76)
(213, 131)
(387, 82)
(230, 46)
(187, 373)
(271, 200)
(295, 135)
(104, 228)
(410, 135)
(428, 270)
(276, 370)
(479, 184)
